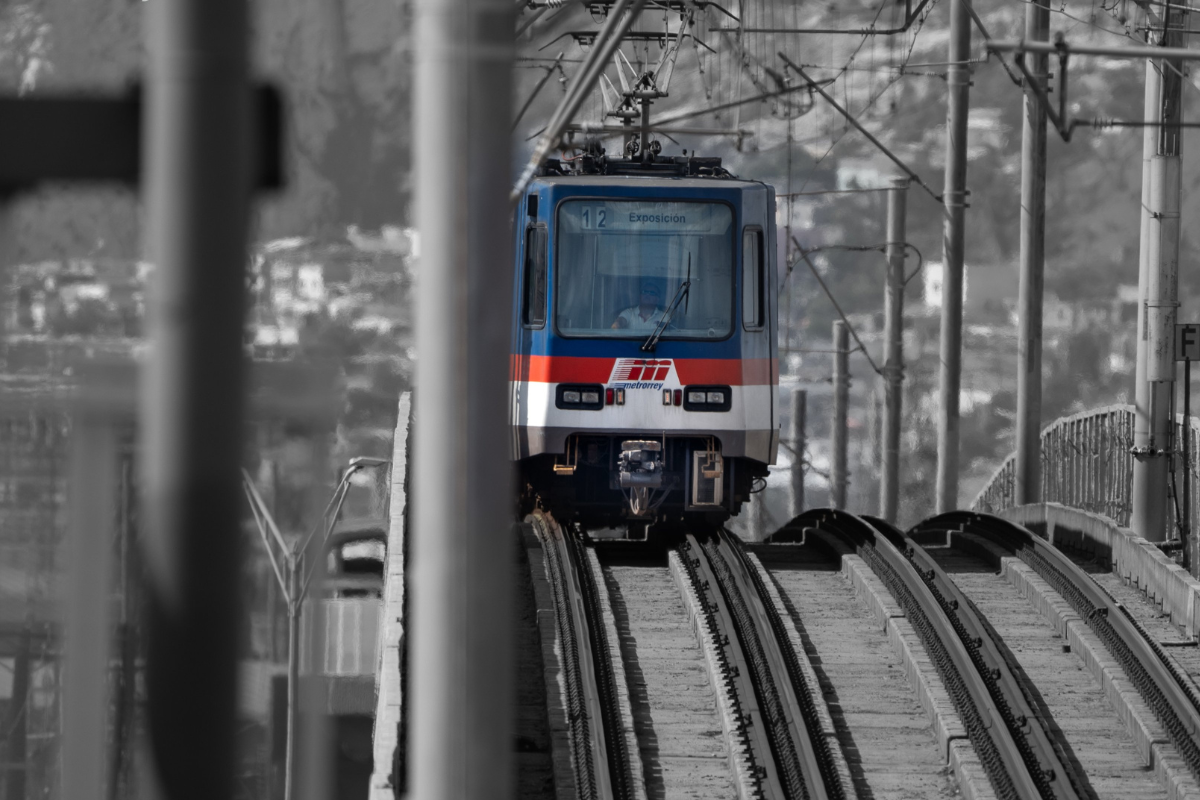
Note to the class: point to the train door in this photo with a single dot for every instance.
(530, 310)
(757, 327)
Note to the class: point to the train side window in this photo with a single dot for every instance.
(753, 279)
(534, 312)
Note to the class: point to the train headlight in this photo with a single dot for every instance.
(707, 398)
(578, 397)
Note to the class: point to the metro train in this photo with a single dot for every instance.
(644, 362)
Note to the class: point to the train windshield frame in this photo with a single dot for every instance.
(619, 264)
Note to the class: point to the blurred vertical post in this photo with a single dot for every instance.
(799, 410)
(16, 726)
(841, 407)
(461, 726)
(87, 627)
(954, 202)
(1033, 263)
(1153, 430)
(893, 331)
(758, 516)
(198, 179)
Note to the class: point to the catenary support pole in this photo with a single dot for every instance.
(1032, 268)
(954, 198)
(198, 173)
(893, 353)
(797, 440)
(1152, 438)
(461, 725)
(1141, 394)
(1189, 541)
(838, 460)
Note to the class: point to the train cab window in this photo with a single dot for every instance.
(624, 268)
(753, 279)
(533, 313)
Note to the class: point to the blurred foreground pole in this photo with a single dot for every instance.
(198, 181)
(841, 408)
(893, 352)
(461, 725)
(1033, 268)
(1155, 373)
(87, 627)
(16, 725)
(954, 203)
(799, 410)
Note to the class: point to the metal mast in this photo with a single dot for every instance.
(1033, 267)
(461, 725)
(958, 80)
(893, 368)
(198, 182)
(1159, 284)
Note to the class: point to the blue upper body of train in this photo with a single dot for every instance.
(644, 362)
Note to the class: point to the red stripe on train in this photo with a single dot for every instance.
(583, 369)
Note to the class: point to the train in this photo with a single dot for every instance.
(644, 365)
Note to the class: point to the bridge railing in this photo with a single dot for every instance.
(1086, 464)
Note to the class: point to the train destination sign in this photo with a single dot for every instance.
(1187, 341)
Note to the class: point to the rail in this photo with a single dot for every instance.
(1001, 756)
(598, 757)
(1170, 694)
(768, 686)
(998, 666)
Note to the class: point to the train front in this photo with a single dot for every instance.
(644, 367)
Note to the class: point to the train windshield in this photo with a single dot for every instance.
(621, 263)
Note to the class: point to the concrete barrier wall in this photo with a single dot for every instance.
(1136, 560)
(391, 623)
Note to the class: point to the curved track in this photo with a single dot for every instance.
(737, 716)
(715, 669)
(1157, 702)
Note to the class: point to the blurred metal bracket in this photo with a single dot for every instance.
(100, 139)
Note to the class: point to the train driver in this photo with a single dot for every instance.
(646, 315)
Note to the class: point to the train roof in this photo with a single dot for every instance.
(649, 182)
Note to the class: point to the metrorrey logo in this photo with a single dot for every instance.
(640, 373)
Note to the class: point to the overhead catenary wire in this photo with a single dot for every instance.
(824, 287)
(871, 101)
(862, 129)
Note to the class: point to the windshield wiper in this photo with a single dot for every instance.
(680, 293)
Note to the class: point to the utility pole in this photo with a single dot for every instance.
(796, 437)
(893, 367)
(461, 727)
(1160, 248)
(838, 479)
(954, 200)
(1033, 267)
(198, 180)
(1141, 391)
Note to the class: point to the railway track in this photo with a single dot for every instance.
(679, 676)
(1126, 708)
(843, 659)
